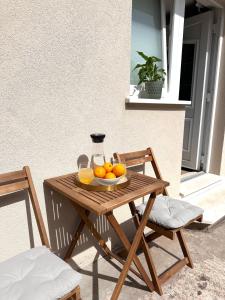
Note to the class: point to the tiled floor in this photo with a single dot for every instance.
(100, 277)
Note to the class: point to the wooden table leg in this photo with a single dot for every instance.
(75, 238)
(131, 248)
(85, 220)
(120, 233)
(146, 250)
(92, 229)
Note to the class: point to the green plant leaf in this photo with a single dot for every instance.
(138, 66)
(156, 59)
(143, 55)
(150, 70)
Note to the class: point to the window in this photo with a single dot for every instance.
(146, 22)
(157, 29)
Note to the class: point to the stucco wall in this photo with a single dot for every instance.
(222, 171)
(64, 74)
(216, 164)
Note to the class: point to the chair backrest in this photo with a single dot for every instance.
(21, 180)
(139, 158)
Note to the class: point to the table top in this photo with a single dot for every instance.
(102, 202)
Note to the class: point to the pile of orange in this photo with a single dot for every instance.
(109, 171)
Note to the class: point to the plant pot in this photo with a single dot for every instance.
(152, 90)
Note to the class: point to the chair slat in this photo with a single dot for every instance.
(137, 161)
(12, 176)
(133, 159)
(13, 187)
(136, 154)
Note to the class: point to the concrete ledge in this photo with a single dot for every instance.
(135, 100)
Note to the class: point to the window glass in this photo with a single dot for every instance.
(146, 32)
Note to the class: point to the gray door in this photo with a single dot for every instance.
(193, 84)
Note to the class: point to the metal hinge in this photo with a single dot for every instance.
(208, 97)
(215, 29)
(202, 162)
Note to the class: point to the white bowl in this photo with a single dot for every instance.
(112, 181)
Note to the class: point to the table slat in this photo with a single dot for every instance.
(102, 202)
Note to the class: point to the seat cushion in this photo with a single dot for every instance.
(171, 213)
(36, 274)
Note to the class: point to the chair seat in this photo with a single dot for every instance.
(36, 274)
(171, 213)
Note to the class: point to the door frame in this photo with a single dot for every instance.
(212, 88)
(215, 67)
(194, 75)
(199, 108)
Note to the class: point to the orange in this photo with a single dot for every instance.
(108, 167)
(110, 175)
(119, 170)
(100, 172)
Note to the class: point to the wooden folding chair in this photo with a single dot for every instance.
(138, 158)
(52, 284)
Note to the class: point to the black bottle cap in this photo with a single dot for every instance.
(97, 137)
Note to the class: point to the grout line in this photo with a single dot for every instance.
(202, 191)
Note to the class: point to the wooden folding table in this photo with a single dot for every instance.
(103, 203)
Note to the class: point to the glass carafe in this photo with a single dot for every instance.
(98, 156)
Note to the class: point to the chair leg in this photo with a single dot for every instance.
(200, 219)
(73, 295)
(184, 248)
(146, 250)
(77, 294)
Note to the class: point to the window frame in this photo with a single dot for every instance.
(170, 92)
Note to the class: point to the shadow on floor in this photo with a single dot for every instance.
(130, 281)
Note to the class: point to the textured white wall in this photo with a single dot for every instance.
(217, 158)
(222, 169)
(64, 74)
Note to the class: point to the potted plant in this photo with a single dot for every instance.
(151, 76)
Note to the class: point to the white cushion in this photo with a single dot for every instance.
(171, 213)
(36, 274)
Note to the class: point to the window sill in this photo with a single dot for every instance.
(162, 101)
